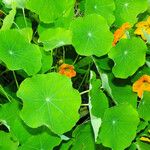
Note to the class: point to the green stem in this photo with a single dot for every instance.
(24, 16)
(5, 94)
(15, 79)
(84, 104)
(63, 54)
(84, 92)
(75, 59)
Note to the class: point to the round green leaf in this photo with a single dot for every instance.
(17, 53)
(127, 10)
(49, 100)
(54, 38)
(6, 141)
(49, 10)
(144, 107)
(128, 55)
(119, 126)
(91, 35)
(101, 7)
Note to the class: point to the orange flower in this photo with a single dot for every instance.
(67, 70)
(141, 85)
(143, 26)
(120, 33)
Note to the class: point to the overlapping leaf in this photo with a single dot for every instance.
(129, 54)
(53, 38)
(119, 126)
(91, 35)
(19, 3)
(49, 10)
(48, 99)
(17, 53)
(128, 10)
(102, 7)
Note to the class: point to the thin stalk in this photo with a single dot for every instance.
(15, 79)
(84, 92)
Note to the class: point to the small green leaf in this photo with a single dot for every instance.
(9, 19)
(17, 53)
(127, 10)
(6, 141)
(91, 35)
(101, 7)
(144, 107)
(48, 99)
(129, 54)
(19, 3)
(119, 126)
(54, 38)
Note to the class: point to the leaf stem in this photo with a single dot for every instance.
(15, 79)
(84, 92)
(24, 16)
(84, 104)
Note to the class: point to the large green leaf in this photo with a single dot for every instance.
(102, 7)
(49, 100)
(91, 35)
(7, 142)
(127, 10)
(83, 138)
(144, 107)
(53, 38)
(129, 54)
(17, 53)
(119, 126)
(49, 10)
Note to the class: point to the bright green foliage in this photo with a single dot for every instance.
(94, 33)
(9, 19)
(49, 102)
(83, 137)
(19, 3)
(102, 7)
(6, 141)
(128, 55)
(52, 9)
(144, 107)
(53, 38)
(127, 10)
(119, 126)
(17, 54)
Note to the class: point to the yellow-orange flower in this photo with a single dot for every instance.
(67, 70)
(141, 85)
(143, 26)
(120, 33)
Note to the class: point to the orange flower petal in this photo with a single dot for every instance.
(120, 33)
(141, 85)
(67, 70)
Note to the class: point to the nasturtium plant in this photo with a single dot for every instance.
(129, 54)
(94, 33)
(17, 53)
(74, 74)
(46, 100)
